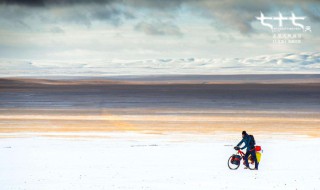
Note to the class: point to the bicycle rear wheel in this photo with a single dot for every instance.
(251, 163)
(232, 166)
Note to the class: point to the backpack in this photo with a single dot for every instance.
(252, 141)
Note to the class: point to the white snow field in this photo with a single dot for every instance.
(147, 161)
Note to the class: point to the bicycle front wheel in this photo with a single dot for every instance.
(232, 166)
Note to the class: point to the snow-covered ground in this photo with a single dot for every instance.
(147, 161)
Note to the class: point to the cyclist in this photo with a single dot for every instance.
(249, 142)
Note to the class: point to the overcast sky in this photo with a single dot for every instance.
(67, 30)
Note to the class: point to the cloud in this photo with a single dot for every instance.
(62, 12)
(23, 2)
(46, 3)
(158, 28)
(226, 38)
(56, 29)
(86, 15)
(313, 12)
(235, 14)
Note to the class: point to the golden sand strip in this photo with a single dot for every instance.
(159, 123)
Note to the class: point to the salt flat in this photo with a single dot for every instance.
(140, 161)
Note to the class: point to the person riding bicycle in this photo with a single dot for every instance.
(249, 144)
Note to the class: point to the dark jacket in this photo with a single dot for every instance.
(246, 140)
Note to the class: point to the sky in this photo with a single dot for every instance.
(92, 31)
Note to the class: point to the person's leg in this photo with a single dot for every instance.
(246, 159)
(253, 154)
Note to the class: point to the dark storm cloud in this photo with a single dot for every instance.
(82, 14)
(22, 2)
(40, 3)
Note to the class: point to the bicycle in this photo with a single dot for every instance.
(235, 159)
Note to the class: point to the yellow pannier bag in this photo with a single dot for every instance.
(258, 155)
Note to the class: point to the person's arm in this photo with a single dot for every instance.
(246, 144)
(240, 142)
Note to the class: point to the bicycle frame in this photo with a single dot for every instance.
(241, 153)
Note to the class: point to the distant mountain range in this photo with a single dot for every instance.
(308, 62)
